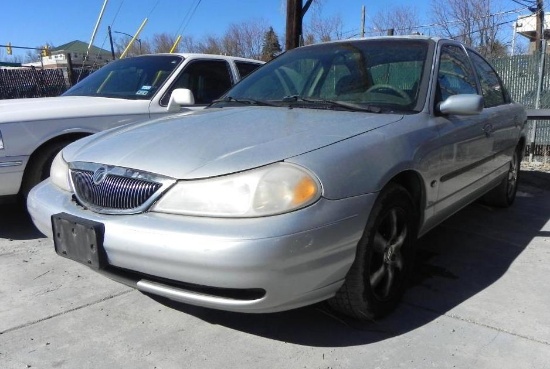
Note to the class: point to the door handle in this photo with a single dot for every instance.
(488, 129)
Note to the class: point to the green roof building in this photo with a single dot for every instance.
(76, 50)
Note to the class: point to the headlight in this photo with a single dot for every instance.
(274, 189)
(59, 173)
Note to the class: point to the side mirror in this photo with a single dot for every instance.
(465, 104)
(179, 97)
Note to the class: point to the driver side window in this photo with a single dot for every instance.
(455, 74)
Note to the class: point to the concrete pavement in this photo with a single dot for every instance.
(479, 299)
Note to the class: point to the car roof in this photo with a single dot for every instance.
(204, 56)
(382, 38)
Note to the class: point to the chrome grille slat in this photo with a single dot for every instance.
(115, 194)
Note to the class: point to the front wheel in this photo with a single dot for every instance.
(377, 279)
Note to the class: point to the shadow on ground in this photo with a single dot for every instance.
(455, 261)
(16, 224)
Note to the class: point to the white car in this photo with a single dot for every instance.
(129, 90)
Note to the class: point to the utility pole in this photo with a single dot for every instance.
(111, 41)
(540, 47)
(363, 21)
(294, 16)
(539, 35)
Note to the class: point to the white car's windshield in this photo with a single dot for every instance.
(133, 78)
(375, 74)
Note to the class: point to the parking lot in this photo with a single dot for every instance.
(479, 299)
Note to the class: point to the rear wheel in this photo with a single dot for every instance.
(377, 279)
(505, 193)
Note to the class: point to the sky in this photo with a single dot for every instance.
(33, 23)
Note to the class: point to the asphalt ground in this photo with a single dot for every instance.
(479, 298)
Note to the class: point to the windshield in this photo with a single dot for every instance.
(384, 74)
(133, 78)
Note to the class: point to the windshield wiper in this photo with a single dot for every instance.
(246, 101)
(339, 104)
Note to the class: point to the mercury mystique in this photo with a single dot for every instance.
(309, 180)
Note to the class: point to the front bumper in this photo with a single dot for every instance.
(297, 258)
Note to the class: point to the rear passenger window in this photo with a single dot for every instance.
(455, 73)
(246, 68)
(207, 79)
(491, 85)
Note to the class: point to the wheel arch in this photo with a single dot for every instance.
(26, 180)
(521, 147)
(68, 137)
(413, 183)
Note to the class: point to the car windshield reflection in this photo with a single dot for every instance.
(133, 78)
(368, 76)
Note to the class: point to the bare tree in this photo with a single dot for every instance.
(189, 45)
(138, 47)
(31, 56)
(309, 39)
(163, 42)
(474, 22)
(245, 39)
(403, 20)
(210, 45)
(322, 29)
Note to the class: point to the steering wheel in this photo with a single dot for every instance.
(384, 89)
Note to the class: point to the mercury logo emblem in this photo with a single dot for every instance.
(99, 175)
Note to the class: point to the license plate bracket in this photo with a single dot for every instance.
(79, 239)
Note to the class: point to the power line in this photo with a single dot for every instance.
(153, 9)
(187, 18)
(483, 29)
(441, 24)
(116, 14)
(531, 5)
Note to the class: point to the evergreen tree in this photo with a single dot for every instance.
(271, 46)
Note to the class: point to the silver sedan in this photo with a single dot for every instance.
(309, 180)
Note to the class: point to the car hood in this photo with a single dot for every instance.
(215, 142)
(22, 110)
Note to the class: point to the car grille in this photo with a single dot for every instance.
(119, 190)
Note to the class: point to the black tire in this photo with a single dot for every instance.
(378, 277)
(504, 194)
(38, 168)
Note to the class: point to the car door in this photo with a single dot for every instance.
(465, 149)
(503, 121)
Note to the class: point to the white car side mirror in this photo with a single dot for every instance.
(179, 97)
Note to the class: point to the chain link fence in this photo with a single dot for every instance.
(522, 75)
(32, 82)
(18, 83)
